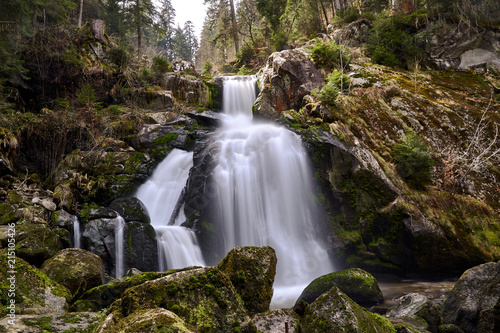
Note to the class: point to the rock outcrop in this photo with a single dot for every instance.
(418, 311)
(473, 303)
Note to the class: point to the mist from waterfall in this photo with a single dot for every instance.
(161, 194)
(264, 193)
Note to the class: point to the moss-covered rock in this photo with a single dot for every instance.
(67, 323)
(333, 311)
(32, 290)
(7, 214)
(36, 243)
(356, 283)
(204, 298)
(251, 270)
(131, 209)
(101, 297)
(76, 269)
(418, 311)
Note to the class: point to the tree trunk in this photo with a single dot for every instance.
(139, 35)
(81, 14)
(235, 26)
(324, 12)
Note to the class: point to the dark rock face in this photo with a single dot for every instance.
(76, 269)
(473, 303)
(288, 76)
(359, 285)
(131, 209)
(252, 270)
(141, 250)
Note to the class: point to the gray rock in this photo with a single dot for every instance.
(473, 303)
(36, 243)
(354, 34)
(416, 309)
(206, 117)
(131, 209)
(277, 321)
(289, 75)
(477, 57)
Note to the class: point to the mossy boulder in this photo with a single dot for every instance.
(252, 270)
(76, 269)
(204, 298)
(277, 321)
(52, 322)
(140, 247)
(474, 301)
(356, 283)
(418, 311)
(101, 297)
(334, 311)
(36, 243)
(131, 209)
(35, 292)
(7, 214)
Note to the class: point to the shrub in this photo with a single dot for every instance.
(207, 68)
(330, 55)
(161, 65)
(339, 80)
(329, 94)
(395, 41)
(413, 161)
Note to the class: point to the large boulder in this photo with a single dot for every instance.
(76, 269)
(356, 283)
(252, 270)
(353, 35)
(289, 75)
(204, 298)
(473, 303)
(35, 292)
(141, 250)
(333, 311)
(56, 322)
(36, 243)
(416, 310)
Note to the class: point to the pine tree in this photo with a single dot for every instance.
(166, 28)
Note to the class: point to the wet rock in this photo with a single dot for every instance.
(416, 310)
(204, 298)
(356, 283)
(141, 250)
(333, 311)
(289, 75)
(471, 304)
(207, 117)
(251, 270)
(36, 243)
(76, 269)
(162, 137)
(131, 209)
(35, 292)
(277, 321)
(98, 236)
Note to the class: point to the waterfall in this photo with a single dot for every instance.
(77, 236)
(177, 246)
(264, 188)
(119, 258)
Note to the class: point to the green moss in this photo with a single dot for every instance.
(165, 139)
(42, 323)
(7, 214)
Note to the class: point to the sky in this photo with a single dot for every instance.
(190, 10)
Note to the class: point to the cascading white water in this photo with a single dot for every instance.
(264, 189)
(119, 265)
(77, 236)
(177, 246)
